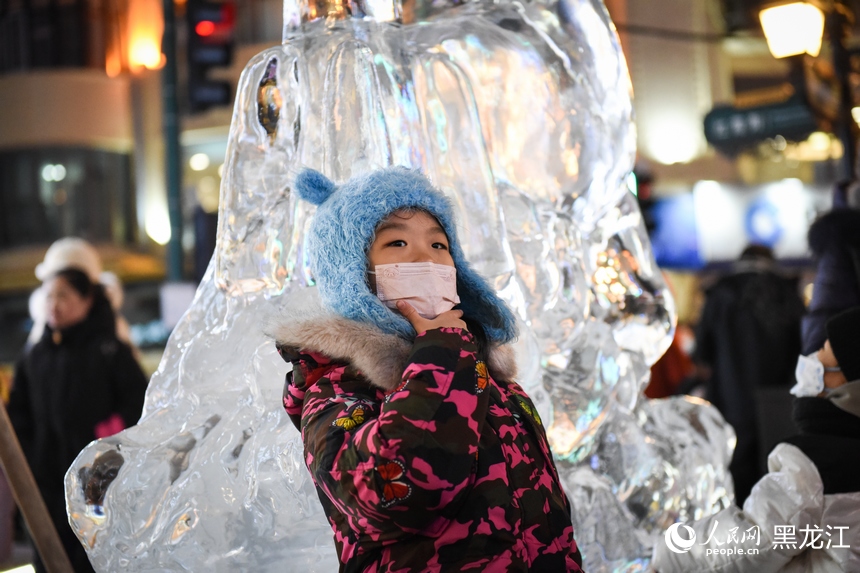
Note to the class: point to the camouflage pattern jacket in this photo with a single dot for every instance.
(424, 457)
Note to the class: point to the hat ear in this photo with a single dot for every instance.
(314, 187)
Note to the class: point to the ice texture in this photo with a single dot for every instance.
(521, 113)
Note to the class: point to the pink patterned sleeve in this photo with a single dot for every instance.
(401, 460)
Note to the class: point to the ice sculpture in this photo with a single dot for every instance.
(521, 112)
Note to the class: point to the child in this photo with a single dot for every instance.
(425, 453)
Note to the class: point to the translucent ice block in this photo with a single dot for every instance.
(522, 114)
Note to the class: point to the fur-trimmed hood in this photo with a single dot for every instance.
(300, 321)
(342, 231)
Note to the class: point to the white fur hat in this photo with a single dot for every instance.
(70, 252)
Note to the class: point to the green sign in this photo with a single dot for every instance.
(731, 130)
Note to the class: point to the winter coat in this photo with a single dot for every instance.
(63, 394)
(835, 241)
(425, 458)
(806, 510)
(749, 334)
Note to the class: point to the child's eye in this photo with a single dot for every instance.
(442, 246)
(397, 243)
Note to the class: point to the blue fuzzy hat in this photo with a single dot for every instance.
(341, 233)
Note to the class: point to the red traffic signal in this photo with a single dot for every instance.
(210, 44)
(205, 28)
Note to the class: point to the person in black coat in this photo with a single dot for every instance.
(835, 241)
(748, 338)
(76, 384)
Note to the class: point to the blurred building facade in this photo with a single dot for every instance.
(688, 58)
(81, 144)
(82, 148)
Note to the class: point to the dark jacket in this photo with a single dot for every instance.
(61, 392)
(425, 458)
(749, 335)
(830, 437)
(835, 241)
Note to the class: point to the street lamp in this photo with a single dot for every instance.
(793, 28)
(145, 29)
(137, 44)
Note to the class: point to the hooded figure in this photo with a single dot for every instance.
(425, 453)
(804, 515)
(835, 242)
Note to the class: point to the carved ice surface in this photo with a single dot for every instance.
(521, 113)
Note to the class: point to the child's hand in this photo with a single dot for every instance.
(450, 319)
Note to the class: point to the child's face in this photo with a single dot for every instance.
(409, 238)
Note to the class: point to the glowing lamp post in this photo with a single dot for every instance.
(145, 29)
(793, 29)
(796, 28)
(139, 39)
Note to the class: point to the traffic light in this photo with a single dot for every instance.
(210, 44)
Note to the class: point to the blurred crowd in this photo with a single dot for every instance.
(783, 369)
(785, 373)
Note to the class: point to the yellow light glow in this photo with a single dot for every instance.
(818, 146)
(793, 29)
(819, 141)
(113, 63)
(21, 569)
(145, 28)
(855, 113)
(198, 162)
(144, 53)
(158, 223)
(673, 136)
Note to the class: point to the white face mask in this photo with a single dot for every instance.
(430, 288)
(810, 376)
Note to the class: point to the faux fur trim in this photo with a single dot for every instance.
(301, 321)
(342, 230)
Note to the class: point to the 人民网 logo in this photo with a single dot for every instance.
(675, 542)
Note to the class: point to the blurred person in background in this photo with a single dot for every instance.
(835, 243)
(748, 339)
(674, 371)
(804, 515)
(77, 253)
(65, 252)
(79, 382)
